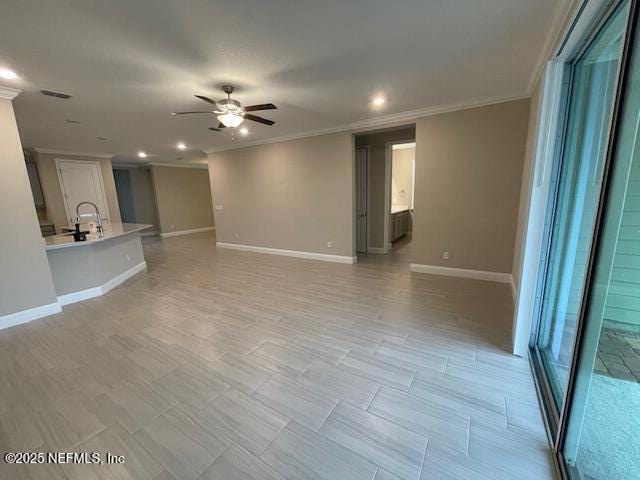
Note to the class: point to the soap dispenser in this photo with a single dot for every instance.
(79, 236)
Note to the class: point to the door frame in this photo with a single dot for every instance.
(368, 201)
(69, 209)
(388, 178)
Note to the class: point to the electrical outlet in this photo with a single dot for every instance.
(329, 244)
(445, 255)
(172, 226)
(237, 236)
(128, 257)
(219, 207)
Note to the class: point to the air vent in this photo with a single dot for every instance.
(51, 93)
(70, 120)
(102, 139)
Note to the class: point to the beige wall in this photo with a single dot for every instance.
(468, 176)
(183, 198)
(25, 278)
(377, 149)
(295, 195)
(53, 194)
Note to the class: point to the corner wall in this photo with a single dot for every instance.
(25, 282)
(183, 198)
(468, 177)
(295, 195)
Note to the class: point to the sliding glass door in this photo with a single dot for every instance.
(586, 345)
(602, 439)
(590, 96)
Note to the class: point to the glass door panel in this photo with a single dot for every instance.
(593, 78)
(602, 439)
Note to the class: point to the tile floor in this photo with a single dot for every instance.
(233, 365)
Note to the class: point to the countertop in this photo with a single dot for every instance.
(111, 230)
(399, 208)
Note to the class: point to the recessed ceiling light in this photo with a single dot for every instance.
(142, 155)
(379, 100)
(8, 74)
(181, 146)
(244, 130)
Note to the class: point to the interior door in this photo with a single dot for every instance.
(81, 182)
(361, 199)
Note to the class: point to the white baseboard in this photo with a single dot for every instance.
(25, 316)
(186, 232)
(462, 272)
(289, 253)
(81, 295)
(377, 250)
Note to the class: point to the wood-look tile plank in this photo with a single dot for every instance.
(336, 383)
(378, 370)
(236, 463)
(245, 420)
(239, 372)
(301, 454)
(177, 452)
(395, 448)
(431, 420)
(296, 401)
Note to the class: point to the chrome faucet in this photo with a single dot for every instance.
(79, 215)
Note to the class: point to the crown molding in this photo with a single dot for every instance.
(9, 93)
(51, 151)
(390, 120)
(173, 165)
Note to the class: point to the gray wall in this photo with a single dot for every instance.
(377, 144)
(468, 177)
(25, 280)
(183, 198)
(295, 195)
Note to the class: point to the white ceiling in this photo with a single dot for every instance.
(130, 63)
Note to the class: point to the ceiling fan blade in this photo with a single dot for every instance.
(206, 99)
(262, 106)
(258, 119)
(221, 125)
(188, 113)
(214, 129)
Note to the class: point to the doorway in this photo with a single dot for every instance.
(122, 180)
(401, 185)
(81, 181)
(373, 219)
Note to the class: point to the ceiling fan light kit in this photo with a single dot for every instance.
(230, 112)
(231, 119)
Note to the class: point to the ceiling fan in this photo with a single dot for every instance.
(230, 112)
